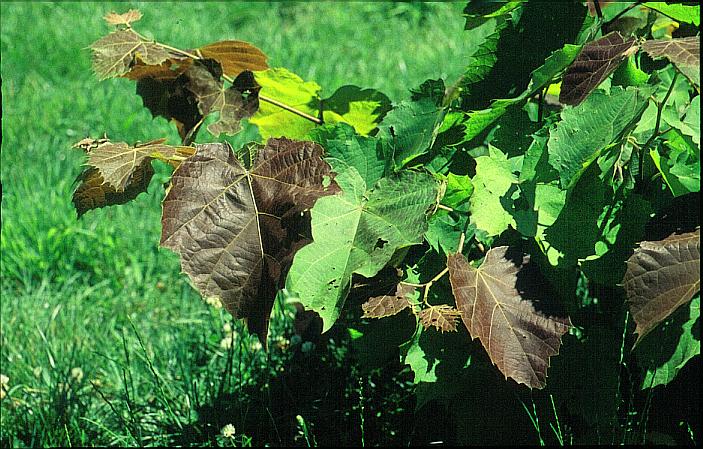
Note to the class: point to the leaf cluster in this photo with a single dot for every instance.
(513, 181)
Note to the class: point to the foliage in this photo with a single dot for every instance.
(474, 180)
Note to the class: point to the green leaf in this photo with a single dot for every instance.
(366, 154)
(668, 348)
(459, 189)
(477, 12)
(585, 130)
(361, 108)
(693, 121)
(478, 121)
(358, 231)
(444, 231)
(680, 165)
(411, 128)
(493, 179)
(482, 55)
(628, 74)
(286, 87)
(414, 355)
(681, 13)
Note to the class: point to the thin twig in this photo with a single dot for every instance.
(657, 124)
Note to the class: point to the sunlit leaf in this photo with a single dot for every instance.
(235, 57)
(117, 162)
(114, 54)
(237, 230)
(123, 19)
(358, 231)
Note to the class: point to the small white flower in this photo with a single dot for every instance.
(227, 328)
(77, 373)
(226, 343)
(228, 431)
(255, 346)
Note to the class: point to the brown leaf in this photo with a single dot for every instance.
(236, 230)
(596, 61)
(389, 304)
(518, 338)
(123, 19)
(171, 99)
(442, 317)
(170, 69)
(117, 173)
(229, 103)
(116, 162)
(662, 276)
(93, 192)
(235, 57)
(683, 52)
(116, 53)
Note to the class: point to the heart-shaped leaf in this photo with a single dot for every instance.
(683, 52)
(518, 338)
(116, 53)
(661, 276)
(597, 60)
(389, 304)
(236, 230)
(235, 57)
(117, 173)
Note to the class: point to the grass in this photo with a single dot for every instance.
(103, 342)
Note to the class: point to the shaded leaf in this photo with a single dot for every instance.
(358, 232)
(93, 192)
(390, 304)
(228, 102)
(235, 57)
(518, 338)
(442, 317)
(123, 19)
(170, 69)
(596, 61)
(671, 345)
(366, 154)
(236, 230)
(683, 52)
(661, 276)
(361, 108)
(116, 53)
(171, 99)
